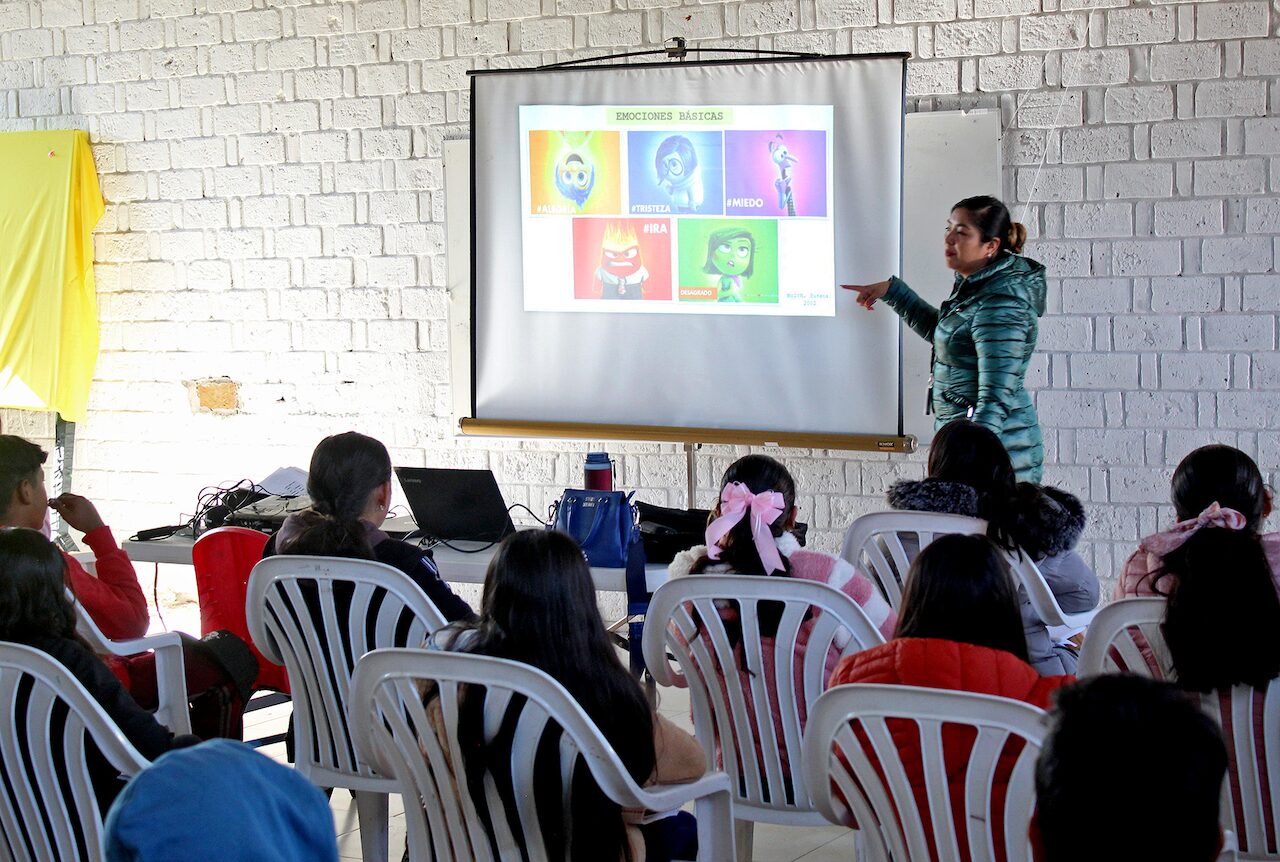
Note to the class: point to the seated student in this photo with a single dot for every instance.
(350, 488)
(959, 629)
(750, 534)
(539, 607)
(1214, 485)
(1131, 769)
(113, 599)
(220, 800)
(970, 474)
(35, 611)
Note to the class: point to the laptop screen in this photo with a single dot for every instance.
(456, 504)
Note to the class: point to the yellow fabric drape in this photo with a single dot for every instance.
(49, 203)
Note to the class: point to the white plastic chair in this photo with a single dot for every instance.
(1125, 637)
(400, 736)
(48, 809)
(876, 795)
(318, 616)
(873, 544)
(1254, 763)
(731, 710)
(171, 680)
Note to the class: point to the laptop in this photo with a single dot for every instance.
(456, 505)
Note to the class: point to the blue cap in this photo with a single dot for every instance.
(220, 800)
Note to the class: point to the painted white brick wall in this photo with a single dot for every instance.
(275, 214)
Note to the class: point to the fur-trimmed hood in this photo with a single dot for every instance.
(1048, 518)
(929, 495)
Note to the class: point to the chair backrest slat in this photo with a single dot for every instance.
(48, 808)
(918, 739)
(1125, 637)
(1249, 719)
(401, 689)
(318, 616)
(874, 544)
(751, 687)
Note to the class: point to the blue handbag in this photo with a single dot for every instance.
(602, 522)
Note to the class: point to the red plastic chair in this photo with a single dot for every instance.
(223, 559)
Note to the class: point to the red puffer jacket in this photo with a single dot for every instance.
(957, 666)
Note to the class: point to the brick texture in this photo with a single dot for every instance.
(274, 181)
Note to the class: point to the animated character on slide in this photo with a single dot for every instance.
(621, 273)
(731, 254)
(783, 158)
(678, 173)
(574, 171)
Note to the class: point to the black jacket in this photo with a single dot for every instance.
(140, 727)
(417, 563)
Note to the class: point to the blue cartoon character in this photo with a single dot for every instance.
(678, 173)
(575, 172)
(731, 255)
(783, 159)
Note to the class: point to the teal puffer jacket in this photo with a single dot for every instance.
(983, 337)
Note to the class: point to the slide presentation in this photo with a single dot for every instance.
(721, 209)
(662, 244)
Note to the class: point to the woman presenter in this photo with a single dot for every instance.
(985, 332)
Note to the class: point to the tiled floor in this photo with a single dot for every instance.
(772, 843)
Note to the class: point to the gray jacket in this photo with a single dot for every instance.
(1054, 529)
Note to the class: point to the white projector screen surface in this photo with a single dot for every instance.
(661, 245)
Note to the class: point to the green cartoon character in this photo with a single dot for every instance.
(731, 255)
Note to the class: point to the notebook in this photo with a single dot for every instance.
(456, 504)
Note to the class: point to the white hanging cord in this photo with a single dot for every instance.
(1057, 119)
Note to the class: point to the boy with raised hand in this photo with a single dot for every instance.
(114, 598)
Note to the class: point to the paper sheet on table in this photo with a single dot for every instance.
(286, 482)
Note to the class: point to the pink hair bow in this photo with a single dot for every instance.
(1177, 535)
(735, 501)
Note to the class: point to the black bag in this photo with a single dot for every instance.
(666, 532)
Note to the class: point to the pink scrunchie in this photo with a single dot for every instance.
(735, 500)
(1176, 536)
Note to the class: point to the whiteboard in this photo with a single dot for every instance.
(935, 144)
(950, 155)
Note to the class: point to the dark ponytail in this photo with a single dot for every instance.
(1223, 612)
(345, 471)
(992, 218)
(1223, 475)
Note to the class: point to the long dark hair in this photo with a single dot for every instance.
(969, 454)
(992, 218)
(33, 588)
(539, 607)
(345, 470)
(960, 589)
(1223, 612)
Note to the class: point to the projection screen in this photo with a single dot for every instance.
(662, 244)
